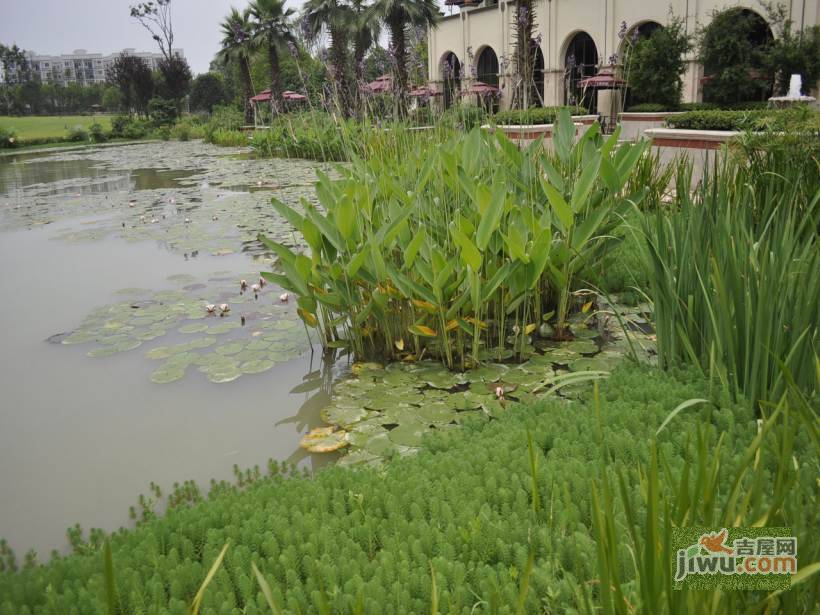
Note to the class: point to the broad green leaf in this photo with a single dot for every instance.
(559, 205)
(580, 191)
(491, 218)
(469, 253)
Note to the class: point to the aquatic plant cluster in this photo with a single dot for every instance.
(495, 517)
(459, 251)
(247, 333)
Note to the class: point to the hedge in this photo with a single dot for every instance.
(535, 115)
(718, 120)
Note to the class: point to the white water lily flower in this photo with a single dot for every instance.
(210, 307)
(224, 308)
(284, 297)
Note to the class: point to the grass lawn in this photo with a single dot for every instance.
(40, 127)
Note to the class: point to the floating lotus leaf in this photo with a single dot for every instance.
(224, 327)
(592, 364)
(168, 373)
(380, 444)
(80, 337)
(224, 374)
(581, 347)
(437, 413)
(230, 348)
(488, 373)
(197, 327)
(256, 367)
(103, 351)
(359, 458)
(323, 440)
(407, 434)
(343, 417)
(584, 333)
(160, 352)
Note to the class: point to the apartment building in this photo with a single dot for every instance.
(80, 66)
(574, 40)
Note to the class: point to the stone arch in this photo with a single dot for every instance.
(451, 77)
(579, 60)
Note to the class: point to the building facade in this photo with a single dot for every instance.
(79, 67)
(574, 39)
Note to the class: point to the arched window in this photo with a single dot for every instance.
(538, 77)
(487, 72)
(580, 62)
(451, 74)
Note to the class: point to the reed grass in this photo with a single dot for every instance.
(735, 274)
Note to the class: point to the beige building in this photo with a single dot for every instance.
(574, 39)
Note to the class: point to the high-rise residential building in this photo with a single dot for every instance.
(78, 67)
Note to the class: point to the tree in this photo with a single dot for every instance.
(112, 99)
(335, 17)
(237, 45)
(398, 15)
(656, 65)
(733, 51)
(134, 79)
(156, 18)
(524, 53)
(207, 91)
(176, 79)
(795, 53)
(272, 32)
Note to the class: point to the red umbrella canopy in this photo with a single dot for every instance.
(422, 91)
(381, 85)
(263, 96)
(604, 80)
(481, 88)
(295, 96)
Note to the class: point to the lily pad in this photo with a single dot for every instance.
(324, 440)
(407, 434)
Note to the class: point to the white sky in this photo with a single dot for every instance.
(104, 26)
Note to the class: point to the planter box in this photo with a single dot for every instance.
(524, 134)
(585, 122)
(701, 147)
(633, 125)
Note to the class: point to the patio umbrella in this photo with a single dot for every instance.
(293, 96)
(604, 80)
(424, 91)
(480, 88)
(263, 96)
(381, 85)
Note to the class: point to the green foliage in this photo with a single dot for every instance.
(464, 506)
(534, 115)
(464, 117)
(313, 135)
(127, 127)
(649, 108)
(77, 134)
(162, 112)
(226, 138)
(734, 281)
(207, 92)
(732, 58)
(8, 138)
(457, 246)
(98, 133)
(718, 120)
(657, 63)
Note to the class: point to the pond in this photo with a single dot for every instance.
(119, 250)
(140, 343)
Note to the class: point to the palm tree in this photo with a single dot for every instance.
(335, 17)
(364, 32)
(236, 47)
(272, 31)
(398, 15)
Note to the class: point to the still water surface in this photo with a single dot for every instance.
(80, 437)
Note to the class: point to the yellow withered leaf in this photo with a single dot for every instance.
(424, 305)
(451, 325)
(529, 328)
(474, 321)
(422, 331)
(399, 344)
(586, 307)
(309, 318)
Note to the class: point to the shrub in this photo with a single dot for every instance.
(464, 117)
(697, 106)
(119, 124)
(534, 115)
(98, 133)
(227, 117)
(228, 138)
(655, 64)
(77, 134)
(8, 138)
(648, 108)
(717, 120)
(162, 112)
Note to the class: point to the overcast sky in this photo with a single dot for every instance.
(104, 26)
